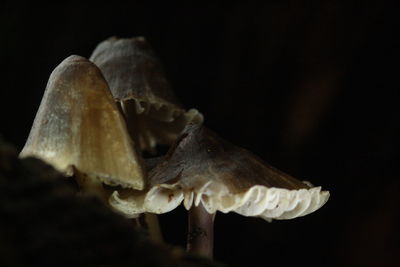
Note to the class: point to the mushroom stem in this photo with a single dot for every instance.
(200, 239)
(154, 228)
(149, 222)
(133, 123)
(136, 126)
(128, 109)
(90, 185)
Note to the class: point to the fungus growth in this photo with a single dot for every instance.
(137, 81)
(95, 127)
(79, 130)
(209, 174)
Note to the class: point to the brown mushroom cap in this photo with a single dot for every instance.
(201, 167)
(79, 127)
(137, 80)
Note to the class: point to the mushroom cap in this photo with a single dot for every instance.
(133, 71)
(137, 80)
(78, 127)
(203, 168)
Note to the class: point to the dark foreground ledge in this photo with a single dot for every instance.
(44, 223)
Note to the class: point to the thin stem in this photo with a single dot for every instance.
(149, 222)
(200, 238)
(132, 121)
(91, 185)
(134, 125)
(154, 228)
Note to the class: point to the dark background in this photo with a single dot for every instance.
(311, 88)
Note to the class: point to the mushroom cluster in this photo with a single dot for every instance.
(97, 118)
(138, 83)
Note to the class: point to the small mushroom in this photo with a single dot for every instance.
(79, 130)
(137, 81)
(210, 174)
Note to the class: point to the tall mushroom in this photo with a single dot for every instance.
(79, 130)
(210, 174)
(137, 81)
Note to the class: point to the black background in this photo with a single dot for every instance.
(311, 88)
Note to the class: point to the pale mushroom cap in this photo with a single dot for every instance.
(78, 126)
(203, 168)
(137, 80)
(133, 71)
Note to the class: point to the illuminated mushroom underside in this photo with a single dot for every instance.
(203, 168)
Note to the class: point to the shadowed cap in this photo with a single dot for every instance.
(137, 79)
(203, 168)
(78, 127)
(133, 71)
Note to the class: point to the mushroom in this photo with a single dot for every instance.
(137, 81)
(210, 174)
(79, 130)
